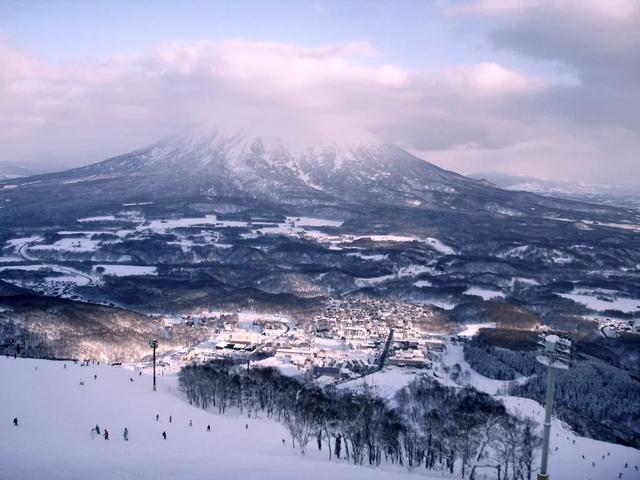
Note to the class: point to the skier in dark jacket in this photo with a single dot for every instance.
(106, 434)
(164, 435)
(97, 429)
(126, 434)
(15, 422)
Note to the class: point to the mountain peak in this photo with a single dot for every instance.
(242, 164)
(257, 142)
(245, 150)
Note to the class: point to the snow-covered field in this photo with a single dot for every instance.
(69, 276)
(68, 245)
(56, 414)
(470, 329)
(486, 294)
(102, 218)
(125, 270)
(594, 301)
(468, 376)
(385, 382)
(404, 272)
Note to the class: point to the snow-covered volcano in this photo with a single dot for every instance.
(211, 163)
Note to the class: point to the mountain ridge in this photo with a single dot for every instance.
(212, 164)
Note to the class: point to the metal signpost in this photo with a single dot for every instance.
(555, 353)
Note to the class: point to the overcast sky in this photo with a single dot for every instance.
(548, 88)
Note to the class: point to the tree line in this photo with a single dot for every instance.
(439, 428)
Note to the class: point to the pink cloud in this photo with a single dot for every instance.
(81, 111)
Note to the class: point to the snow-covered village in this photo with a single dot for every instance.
(319, 239)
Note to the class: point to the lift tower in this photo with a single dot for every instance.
(555, 354)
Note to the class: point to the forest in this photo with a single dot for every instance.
(429, 426)
(598, 399)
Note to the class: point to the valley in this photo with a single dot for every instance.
(347, 266)
(246, 240)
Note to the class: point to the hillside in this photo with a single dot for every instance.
(56, 415)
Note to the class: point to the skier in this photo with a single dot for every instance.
(157, 417)
(93, 433)
(95, 377)
(140, 373)
(106, 434)
(246, 427)
(15, 422)
(170, 418)
(126, 434)
(97, 429)
(131, 379)
(190, 423)
(164, 435)
(208, 428)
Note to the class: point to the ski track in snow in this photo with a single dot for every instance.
(56, 415)
(565, 456)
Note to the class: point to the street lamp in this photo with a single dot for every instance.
(555, 354)
(154, 344)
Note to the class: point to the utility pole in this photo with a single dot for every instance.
(555, 354)
(154, 344)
